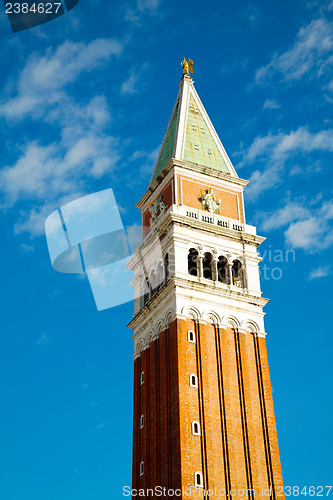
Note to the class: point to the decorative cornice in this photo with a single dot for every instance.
(183, 317)
(220, 289)
(260, 334)
(144, 313)
(248, 238)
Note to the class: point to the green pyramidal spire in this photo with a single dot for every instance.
(190, 136)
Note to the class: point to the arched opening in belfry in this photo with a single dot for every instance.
(153, 282)
(166, 267)
(160, 275)
(146, 290)
(192, 262)
(237, 273)
(207, 266)
(222, 269)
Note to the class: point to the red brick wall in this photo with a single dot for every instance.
(168, 199)
(238, 446)
(192, 191)
(158, 443)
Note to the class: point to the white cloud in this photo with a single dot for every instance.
(271, 104)
(43, 340)
(32, 220)
(304, 234)
(148, 5)
(129, 85)
(43, 171)
(142, 8)
(300, 140)
(274, 150)
(320, 272)
(99, 276)
(310, 54)
(136, 81)
(27, 248)
(148, 160)
(307, 227)
(48, 173)
(283, 216)
(41, 83)
(263, 180)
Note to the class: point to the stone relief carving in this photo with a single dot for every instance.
(210, 202)
(156, 208)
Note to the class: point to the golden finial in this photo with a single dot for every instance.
(187, 66)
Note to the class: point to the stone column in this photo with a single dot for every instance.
(214, 266)
(229, 274)
(200, 266)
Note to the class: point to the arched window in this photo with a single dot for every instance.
(153, 282)
(191, 336)
(146, 291)
(141, 468)
(198, 479)
(237, 273)
(193, 380)
(192, 262)
(222, 269)
(142, 377)
(142, 421)
(195, 428)
(207, 266)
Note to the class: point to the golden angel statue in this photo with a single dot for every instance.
(187, 66)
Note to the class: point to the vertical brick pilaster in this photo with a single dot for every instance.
(136, 400)
(163, 437)
(143, 410)
(152, 423)
(238, 478)
(253, 414)
(210, 389)
(174, 407)
(275, 464)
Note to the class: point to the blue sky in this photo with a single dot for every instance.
(85, 101)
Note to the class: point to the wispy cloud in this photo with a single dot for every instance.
(147, 160)
(252, 13)
(320, 272)
(310, 55)
(42, 81)
(274, 150)
(283, 216)
(136, 81)
(307, 227)
(141, 8)
(100, 426)
(43, 340)
(27, 248)
(271, 104)
(48, 172)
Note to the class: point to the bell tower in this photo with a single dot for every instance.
(204, 422)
